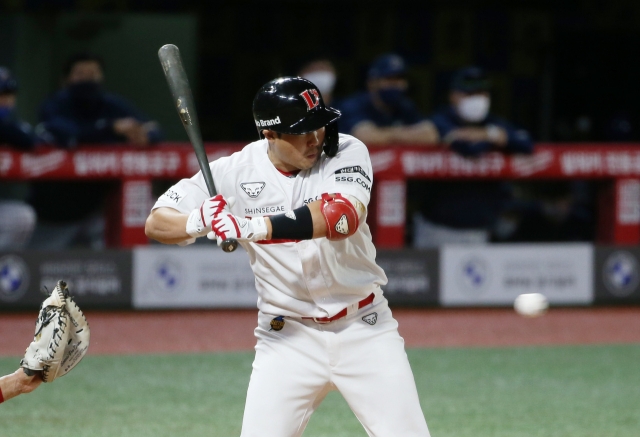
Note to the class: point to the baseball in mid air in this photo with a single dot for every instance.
(531, 304)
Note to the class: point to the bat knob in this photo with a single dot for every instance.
(229, 245)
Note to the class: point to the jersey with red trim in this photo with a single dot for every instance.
(309, 278)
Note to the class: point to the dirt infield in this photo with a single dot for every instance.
(204, 331)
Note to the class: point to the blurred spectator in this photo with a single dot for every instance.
(384, 114)
(82, 112)
(17, 218)
(468, 127)
(579, 128)
(13, 132)
(322, 73)
(553, 211)
(467, 212)
(619, 128)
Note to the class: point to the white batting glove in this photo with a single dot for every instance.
(226, 225)
(199, 221)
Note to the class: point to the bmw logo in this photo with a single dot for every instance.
(620, 273)
(474, 274)
(168, 276)
(14, 278)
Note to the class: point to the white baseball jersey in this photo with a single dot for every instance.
(310, 278)
(361, 355)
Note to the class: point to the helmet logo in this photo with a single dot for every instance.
(262, 123)
(311, 97)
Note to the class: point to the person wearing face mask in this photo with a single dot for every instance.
(322, 74)
(466, 212)
(384, 114)
(17, 218)
(467, 125)
(82, 112)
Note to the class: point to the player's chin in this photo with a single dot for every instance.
(309, 161)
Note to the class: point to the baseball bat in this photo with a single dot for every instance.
(176, 76)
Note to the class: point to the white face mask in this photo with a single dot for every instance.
(473, 108)
(324, 80)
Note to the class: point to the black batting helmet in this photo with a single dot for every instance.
(293, 105)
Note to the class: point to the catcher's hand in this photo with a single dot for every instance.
(61, 338)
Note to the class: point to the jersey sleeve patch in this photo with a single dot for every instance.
(353, 175)
(353, 170)
(174, 195)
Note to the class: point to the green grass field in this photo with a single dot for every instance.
(577, 391)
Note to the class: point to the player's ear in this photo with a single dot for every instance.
(269, 134)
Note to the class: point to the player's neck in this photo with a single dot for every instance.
(284, 168)
(289, 174)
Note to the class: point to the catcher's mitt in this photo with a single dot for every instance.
(61, 338)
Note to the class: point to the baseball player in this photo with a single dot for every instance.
(296, 200)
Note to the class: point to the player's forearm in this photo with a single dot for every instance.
(491, 134)
(317, 219)
(167, 226)
(8, 388)
(319, 223)
(370, 134)
(17, 383)
(422, 133)
(335, 217)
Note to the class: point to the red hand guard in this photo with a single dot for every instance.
(340, 216)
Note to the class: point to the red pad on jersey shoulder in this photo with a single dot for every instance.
(340, 216)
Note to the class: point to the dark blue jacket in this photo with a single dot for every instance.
(469, 204)
(446, 120)
(17, 134)
(71, 126)
(359, 108)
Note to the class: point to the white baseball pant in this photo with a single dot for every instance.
(296, 367)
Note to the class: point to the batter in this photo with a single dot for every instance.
(296, 200)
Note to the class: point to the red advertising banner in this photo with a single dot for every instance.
(107, 162)
(392, 165)
(177, 160)
(548, 161)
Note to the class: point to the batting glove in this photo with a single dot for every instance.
(226, 225)
(199, 221)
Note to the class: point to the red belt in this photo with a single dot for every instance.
(349, 310)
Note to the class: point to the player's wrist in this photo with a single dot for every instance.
(225, 226)
(259, 228)
(9, 387)
(496, 135)
(195, 226)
